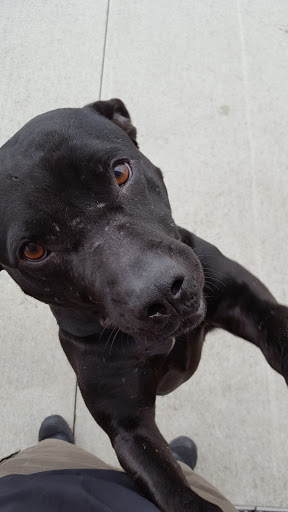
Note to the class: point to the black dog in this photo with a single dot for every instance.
(86, 227)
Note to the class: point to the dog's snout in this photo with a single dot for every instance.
(157, 309)
(160, 296)
(176, 287)
(170, 296)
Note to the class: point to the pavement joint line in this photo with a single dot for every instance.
(104, 49)
(242, 508)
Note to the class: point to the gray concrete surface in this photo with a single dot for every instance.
(206, 85)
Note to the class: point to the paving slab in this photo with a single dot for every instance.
(205, 84)
(188, 72)
(51, 56)
(36, 380)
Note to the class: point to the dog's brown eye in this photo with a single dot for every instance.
(34, 252)
(122, 173)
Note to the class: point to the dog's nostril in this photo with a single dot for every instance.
(176, 287)
(156, 309)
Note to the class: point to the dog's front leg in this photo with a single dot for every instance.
(119, 391)
(239, 303)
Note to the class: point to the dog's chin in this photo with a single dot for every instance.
(162, 346)
(157, 342)
(193, 321)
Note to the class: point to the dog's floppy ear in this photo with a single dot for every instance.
(116, 111)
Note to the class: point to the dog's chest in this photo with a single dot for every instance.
(182, 361)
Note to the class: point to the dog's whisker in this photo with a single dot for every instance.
(211, 275)
(111, 346)
(109, 337)
(217, 280)
(205, 295)
(209, 281)
(102, 332)
(208, 285)
(210, 268)
(212, 278)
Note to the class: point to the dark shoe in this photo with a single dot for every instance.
(55, 427)
(185, 450)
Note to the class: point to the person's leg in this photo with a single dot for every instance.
(56, 451)
(55, 427)
(207, 491)
(185, 452)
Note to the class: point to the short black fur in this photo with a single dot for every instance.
(130, 290)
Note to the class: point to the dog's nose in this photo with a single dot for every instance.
(170, 301)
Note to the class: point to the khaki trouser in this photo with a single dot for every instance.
(53, 454)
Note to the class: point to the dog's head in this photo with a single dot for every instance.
(86, 225)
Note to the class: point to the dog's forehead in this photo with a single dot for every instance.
(76, 129)
(48, 163)
(62, 144)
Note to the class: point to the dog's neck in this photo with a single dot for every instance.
(77, 323)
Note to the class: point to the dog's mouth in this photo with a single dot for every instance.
(163, 336)
(155, 344)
